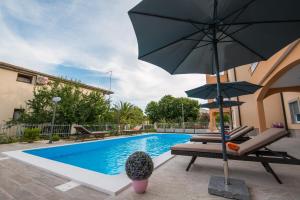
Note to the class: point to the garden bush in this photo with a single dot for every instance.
(4, 139)
(55, 137)
(31, 134)
(151, 130)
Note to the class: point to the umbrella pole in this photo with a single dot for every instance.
(220, 102)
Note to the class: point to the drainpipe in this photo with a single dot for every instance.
(238, 100)
(284, 112)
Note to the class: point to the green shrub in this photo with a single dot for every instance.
(44, 137)
(4, 139)
(31, 134)
(152, 130)
(13, 139)
(55, 137)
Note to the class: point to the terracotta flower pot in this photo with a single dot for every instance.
(140, 186)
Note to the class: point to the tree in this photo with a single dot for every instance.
(226, 118)
(127, 113)
(75, 106)
(152, 111)
(169, 109)
(190, 108)
(204, 118)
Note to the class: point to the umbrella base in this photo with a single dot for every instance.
(237, 189)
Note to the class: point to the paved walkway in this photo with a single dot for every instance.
(20, 181)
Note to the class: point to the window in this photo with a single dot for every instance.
(24, 78)
(17, 113)
(295, 111)
(253, 67)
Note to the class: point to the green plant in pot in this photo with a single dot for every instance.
(139, 167)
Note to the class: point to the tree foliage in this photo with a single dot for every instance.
(127, 113)
(76, 106)
(169, 109)
(204, 118)
(226, 118)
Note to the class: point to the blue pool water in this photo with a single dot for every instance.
(109, 156)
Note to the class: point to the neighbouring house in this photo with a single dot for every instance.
(17, 85)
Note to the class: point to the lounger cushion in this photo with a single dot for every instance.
(217, 134)
(207, 139)
(241, 133)
(215, 138)
(198, 147)
(261, 140)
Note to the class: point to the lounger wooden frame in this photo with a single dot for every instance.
(82, 133)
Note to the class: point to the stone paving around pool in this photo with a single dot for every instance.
(20, 181)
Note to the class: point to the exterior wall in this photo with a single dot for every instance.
(263, 108)
(13, 94)
(273, 110)
(213, 79)
(248, 111)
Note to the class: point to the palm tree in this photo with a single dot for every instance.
(123, 111)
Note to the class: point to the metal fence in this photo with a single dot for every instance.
(65, 130)
(185, 125)
(18, 129)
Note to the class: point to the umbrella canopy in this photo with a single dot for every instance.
(226, 104)
(228, 90)
(179, 35)
(209, 36)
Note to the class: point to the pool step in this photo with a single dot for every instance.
(67, 186)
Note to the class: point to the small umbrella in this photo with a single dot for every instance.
(228, 90)
(209, 36)
(226, 104)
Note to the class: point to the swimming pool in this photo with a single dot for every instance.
(100, 164)
(109, 156)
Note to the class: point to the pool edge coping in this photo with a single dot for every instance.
(109, 184)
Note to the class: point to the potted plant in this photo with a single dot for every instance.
(139, 167)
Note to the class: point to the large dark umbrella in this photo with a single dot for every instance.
(209, 36)
(228, 90)
(226, 104)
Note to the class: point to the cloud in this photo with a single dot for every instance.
(92, 35)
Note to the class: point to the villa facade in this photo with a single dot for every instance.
(278, 102)
(17, 85)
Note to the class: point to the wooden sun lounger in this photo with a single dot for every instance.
(218, 133)
(82, 133)
(135, 130)
(254, 150)
(238, 136)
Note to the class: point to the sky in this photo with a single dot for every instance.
(85, 40)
